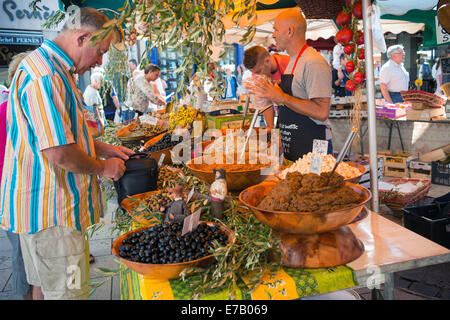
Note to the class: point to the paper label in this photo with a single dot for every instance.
(160, 162)
(148, 119)
(425, 115)
(320, 147)
(191, 193)
(191, 222)
(316, 164)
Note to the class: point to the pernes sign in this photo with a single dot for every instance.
(16, 14)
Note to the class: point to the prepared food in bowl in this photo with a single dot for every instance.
(303, 165)
(231, 162)
(310, 193)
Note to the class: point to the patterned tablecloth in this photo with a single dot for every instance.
(286, 284)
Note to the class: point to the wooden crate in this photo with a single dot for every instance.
(395, 167)
(420, 173)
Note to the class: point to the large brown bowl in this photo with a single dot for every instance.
(236, 180)
(165, 271)
(301, 222)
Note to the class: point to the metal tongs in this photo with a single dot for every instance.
(348, 142)
(247, 102)
(252, 125)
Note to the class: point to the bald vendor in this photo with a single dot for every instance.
(305, 89)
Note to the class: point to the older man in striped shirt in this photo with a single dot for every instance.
(49, 190)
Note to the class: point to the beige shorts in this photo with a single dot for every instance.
(57, 260)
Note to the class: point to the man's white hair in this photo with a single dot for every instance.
(394, 48)
(97, 77)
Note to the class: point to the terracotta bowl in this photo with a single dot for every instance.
(165, 271)
(131, 202)
(157, 155)
(236, 180)
(301, 222)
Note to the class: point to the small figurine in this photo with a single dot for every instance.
(218, 193)
(177, 210)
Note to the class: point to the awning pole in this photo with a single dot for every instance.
(372, 122)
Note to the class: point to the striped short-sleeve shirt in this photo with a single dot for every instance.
(45, 110)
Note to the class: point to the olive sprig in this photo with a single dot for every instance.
(253, 252)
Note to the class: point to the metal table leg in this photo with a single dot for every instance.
(389, 286)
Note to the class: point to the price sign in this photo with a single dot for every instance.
(148, 119)
(316, 164)
(191, 222)
(191, 193)
(320, 147)
(160, 162)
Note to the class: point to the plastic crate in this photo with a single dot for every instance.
(431, 220)
(440, 173)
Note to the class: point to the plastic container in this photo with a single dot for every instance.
(430, 218)
(440, 173)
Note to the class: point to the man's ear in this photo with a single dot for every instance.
(83, 37)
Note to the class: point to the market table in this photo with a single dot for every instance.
(389, 248)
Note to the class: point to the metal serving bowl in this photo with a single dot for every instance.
(236, 180)
(301, 222)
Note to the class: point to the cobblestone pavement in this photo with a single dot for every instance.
(427, 283)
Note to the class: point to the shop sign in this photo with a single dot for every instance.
(20, 39)
(441, 35)
(16, 14)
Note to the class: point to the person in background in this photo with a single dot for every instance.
(305, 90)
(338, 50)
(259, 61)
(393, 75)
(437, 75)
(231, 85)
(20, 285)
(143, 91)
(52, 203)
(109, 98)
(92, 96)
(159, 88)
(339, 78)
(132, 63)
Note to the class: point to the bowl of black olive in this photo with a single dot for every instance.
(160, 251)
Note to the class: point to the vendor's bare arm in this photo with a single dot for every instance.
(71, 158)
(317, 108)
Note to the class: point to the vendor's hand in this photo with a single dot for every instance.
(340, 74)
(110, 151)
(262, 88)
(113, 168)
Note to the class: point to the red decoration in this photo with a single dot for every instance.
(358, 77)
(348, 49)
(360, 38)
(352, 39)
(343, 18)
(361, 54)
(344, 35)
(357, 10)
(350, 85)
(350, 66)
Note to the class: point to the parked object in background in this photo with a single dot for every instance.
(429, 217)
(440, 172)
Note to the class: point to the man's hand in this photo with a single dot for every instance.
(262, 88)
(107, 151)
(113, 168)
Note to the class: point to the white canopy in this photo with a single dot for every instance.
(317, 28)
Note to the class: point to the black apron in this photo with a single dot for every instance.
(297, 131)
